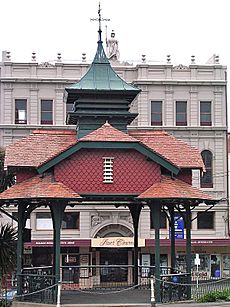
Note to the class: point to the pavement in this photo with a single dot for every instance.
(131, 298)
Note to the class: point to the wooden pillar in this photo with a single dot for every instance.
(21, 212)
(172, 233)
(57, 210)
(155, 209)
(188, 249)
(135, 211)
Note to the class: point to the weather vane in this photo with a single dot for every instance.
(99, 19)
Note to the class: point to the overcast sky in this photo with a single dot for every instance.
(156, 28)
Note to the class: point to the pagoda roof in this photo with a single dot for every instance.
(100, 78)
(169, 188)
(38, 187)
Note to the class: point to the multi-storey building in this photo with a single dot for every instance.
(189, 102)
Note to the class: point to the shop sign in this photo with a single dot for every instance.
(179, 227)
(116, 242)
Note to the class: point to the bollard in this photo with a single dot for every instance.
(58, 294)
(152, 287)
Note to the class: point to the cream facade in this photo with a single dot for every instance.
(190, 103)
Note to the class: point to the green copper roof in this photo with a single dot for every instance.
(102, 77)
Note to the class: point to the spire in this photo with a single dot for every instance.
(99, 21)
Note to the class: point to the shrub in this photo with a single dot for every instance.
(214, 296)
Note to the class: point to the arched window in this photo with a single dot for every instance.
(206, 180)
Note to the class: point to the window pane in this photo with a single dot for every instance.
(20, 111)
(181, 113)
(47, 112)
(205, 113)
(44, 221)
(205, 220)
(46, 105)
(156, 113)
(206, 177)
(70, 220)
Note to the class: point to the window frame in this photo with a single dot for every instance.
(202, 122)
(77, 220)
(177, 113)
(45, 121)
(16, 114)
(152, 113)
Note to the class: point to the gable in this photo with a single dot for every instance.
(83, 172)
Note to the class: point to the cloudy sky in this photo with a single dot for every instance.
(156, 28)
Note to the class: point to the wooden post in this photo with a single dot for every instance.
(155, 209)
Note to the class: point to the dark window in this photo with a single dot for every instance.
(181, 113)
(70, 220)
(205, 113)
(205, 220)
(206, 180)
(46, 112)
(20, 111)
(163, 221)
(156, 113)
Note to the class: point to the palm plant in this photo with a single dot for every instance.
(8, 236)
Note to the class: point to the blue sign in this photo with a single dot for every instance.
(179, 227)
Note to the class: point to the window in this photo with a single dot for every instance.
(205, 220)
(206, 180)
(44, 221)
(70, 220)
(205, 113)
(20, 111)
(181, 113)
(46, 112)
(163, 221)
(156, 113)
(108, 170)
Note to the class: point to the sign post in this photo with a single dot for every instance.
(197, 263)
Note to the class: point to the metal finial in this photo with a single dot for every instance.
(99, 20)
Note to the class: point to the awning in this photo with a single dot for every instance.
(67, 243)
(195, 242)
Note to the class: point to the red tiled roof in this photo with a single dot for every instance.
(39, 147)
(176, 151)
(108, 133)
(39, 187)
(169, 188)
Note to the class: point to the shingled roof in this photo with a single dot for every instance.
(176, 151)
(108, 133)
(38, 187)
(39, 147)
(169, 188)
(43, 145)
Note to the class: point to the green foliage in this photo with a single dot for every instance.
(6, 177)
(4, 303)
(214, 296)
(8, 236)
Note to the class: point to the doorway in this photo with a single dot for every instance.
(115, 261)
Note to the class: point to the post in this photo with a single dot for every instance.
(188, 249)
(21, 212)
(135, 211)
(152, 294)
(155, 209)
(58, 294)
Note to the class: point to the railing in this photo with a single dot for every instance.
(38, 284)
